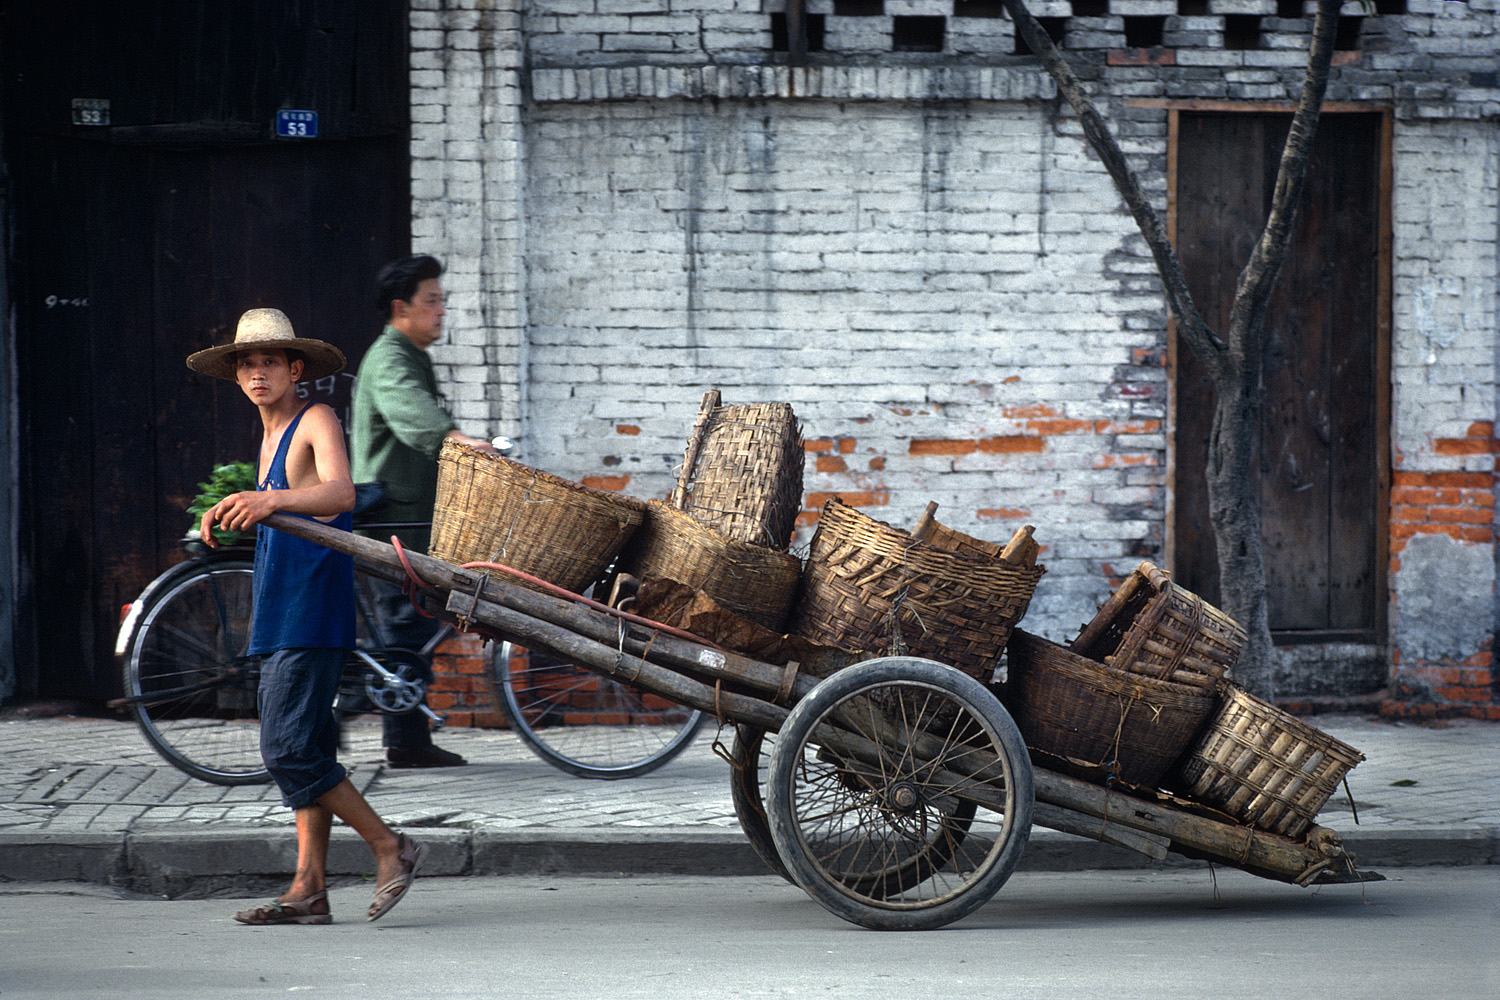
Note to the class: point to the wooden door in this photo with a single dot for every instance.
(1323, 425)
(141, 242)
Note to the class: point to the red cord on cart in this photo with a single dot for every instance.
(415, 583)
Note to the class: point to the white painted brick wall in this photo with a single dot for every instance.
(466, 151)
(842, 256)
(1445, 217)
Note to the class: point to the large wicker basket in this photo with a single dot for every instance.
(1101, 724)
(751, 580)
(742, 471)
(1153, 627)
(1263, 766)
(867, 586)
(490, 509)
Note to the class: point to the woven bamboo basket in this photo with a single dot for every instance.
(1153, 627)
(1263, 766)
(490, 509)
(867, 586)
(752, 581)
(1104, 724)
(742, 471)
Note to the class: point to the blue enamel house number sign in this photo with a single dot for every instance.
(291, 124)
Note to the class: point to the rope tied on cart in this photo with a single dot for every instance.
(416, 583)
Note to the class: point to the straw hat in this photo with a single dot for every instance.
(262, 329)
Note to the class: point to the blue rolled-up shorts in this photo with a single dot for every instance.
(299, 736)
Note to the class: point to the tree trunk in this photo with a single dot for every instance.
(1234, 366)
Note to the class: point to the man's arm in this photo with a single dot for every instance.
(323, 490)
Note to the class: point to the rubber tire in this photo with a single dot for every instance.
(622, 758)
(784, 789)
(750, 747)
(195, 620)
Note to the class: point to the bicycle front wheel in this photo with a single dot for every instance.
(585, 724)
(187, 681)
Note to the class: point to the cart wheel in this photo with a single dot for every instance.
(747, 778)
(750, 753)
(899, 794)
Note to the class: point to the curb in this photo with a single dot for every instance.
(196, 862)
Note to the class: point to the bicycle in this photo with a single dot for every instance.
(192, 690)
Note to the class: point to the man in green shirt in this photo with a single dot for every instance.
(399, 425)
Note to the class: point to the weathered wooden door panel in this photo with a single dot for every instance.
(143, 241)
(1321, 432)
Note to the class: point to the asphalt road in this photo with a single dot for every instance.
(1428, 932)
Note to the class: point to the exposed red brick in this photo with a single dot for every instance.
(1463, 480)
(831, 463)
(1347, 57)
(1466, 446)
(816, 445)
(1481, 429)
(1030, 412)
(1002, 514)
(868, 498)
(611, 483)
(846, 446)
(941, 446)
(630, 429)
(1127, 426)
(1113, 461)
(1460, 515)
(877, 463)
(1012, 444)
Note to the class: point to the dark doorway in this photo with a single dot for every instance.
(144, 239)
(1326, 397)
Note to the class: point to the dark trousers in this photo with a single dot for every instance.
(401, 626)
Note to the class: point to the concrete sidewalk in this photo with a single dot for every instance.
(88, 800)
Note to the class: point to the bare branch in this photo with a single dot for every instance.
(1259, 276)
(1191, 325)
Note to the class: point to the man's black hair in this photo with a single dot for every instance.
(399, 280)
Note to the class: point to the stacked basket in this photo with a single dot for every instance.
(726, 531)
(870, 586)
(1141, 697)
(491, 509)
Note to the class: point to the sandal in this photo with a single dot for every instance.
(293, 911)
(388, 895)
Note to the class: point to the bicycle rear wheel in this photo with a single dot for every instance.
(187, 681)
(585, 724)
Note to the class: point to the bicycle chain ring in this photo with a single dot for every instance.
(401, 693)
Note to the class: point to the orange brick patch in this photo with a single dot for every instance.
(462, 688)
(614, 484)
(1458, 504)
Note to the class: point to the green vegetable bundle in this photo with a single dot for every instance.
(232, 477)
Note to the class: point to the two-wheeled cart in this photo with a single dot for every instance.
(896, 791)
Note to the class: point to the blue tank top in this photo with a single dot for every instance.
(304, 593)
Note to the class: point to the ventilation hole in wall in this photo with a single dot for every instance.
(1192, 8)
(1144, 32)
(916, 33)
(1055, 27)
(1346, 34)
(814, 29)
(1389, 7)
(1242, 31)
(859, 8)
(978, 8)
(1090, 8)
(1288, 10)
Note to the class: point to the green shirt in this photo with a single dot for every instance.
(399, 423)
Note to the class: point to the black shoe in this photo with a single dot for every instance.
(428, 756)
